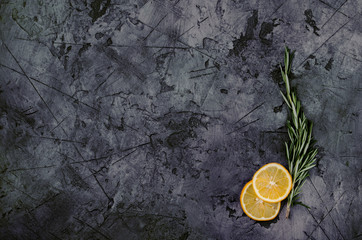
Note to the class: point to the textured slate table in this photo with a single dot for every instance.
(144, 119)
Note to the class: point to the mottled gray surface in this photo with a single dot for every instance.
(144, 119)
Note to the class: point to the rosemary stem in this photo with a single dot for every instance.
(288, 210)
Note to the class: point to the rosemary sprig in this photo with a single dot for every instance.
(300, 152)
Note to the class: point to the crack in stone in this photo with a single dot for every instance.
(328, 213)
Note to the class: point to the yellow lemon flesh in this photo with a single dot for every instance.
(254, 207)
(272, 183)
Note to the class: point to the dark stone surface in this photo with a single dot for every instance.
(144, 119)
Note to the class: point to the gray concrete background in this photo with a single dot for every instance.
(144, 119)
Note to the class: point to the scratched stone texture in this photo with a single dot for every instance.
(144, 119)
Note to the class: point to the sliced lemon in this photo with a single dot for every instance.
(254, 207)
(272, 183)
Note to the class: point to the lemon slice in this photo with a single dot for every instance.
(272, 183)
(254, 207)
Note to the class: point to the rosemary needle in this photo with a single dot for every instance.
(300, 151)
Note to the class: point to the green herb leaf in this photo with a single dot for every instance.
(300, 203)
